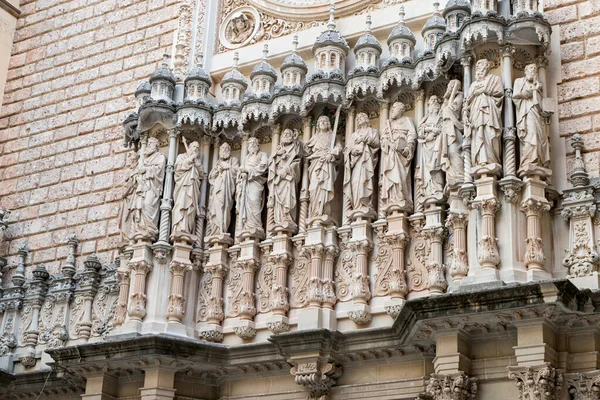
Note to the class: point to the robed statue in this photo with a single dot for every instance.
(323, 153)
(250, 187)
(432, 154)
(222, 179)
(186, 196)
(131, 184)
(452, 128)
(284, 175)
(360, 161)
(398, 142)
(484, 119)
(531, 126)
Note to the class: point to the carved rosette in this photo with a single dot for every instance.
(317, 377)
(451, 387)
(541, 382)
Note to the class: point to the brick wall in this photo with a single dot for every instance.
(578, 22)
(74, 68)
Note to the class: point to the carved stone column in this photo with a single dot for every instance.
(467, 190)
(539, 382)
(306, 125)
(88, 287)
(217, 268)
(245, 328)
(176, 304)
(124, 279)
(280, 305)
(137, 301)
(437, 283)
(466, 62)
(276, 133)
(201, 216)
(579, 209)
(450, 387)
(542, 64)
(329, 298)
(360, 286)
(166, 204)
(487, 254)
(534, 255)
(315, 286)
(460, 264)
(34, 298)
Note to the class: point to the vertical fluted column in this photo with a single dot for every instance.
(279, 300)
(166, 204)
(315, 288)
(534, 255)
(398, 288)
(542, 63)
(88, 287)
(214, 308)
(347, 204)
(306, 124)
(384, 110)
(329, 297)
(460, 264)
(488, 255)
(176, 305)
(510, 162)
(137, 301)
(123, 277)
(468, 187)
(437, 271)
(420, 106)
(361, 292)
(418, 189)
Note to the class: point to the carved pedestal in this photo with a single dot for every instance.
(321, 246)
(178, 267)
(139, 265)
(360, 246)
(281, 259)
(435, 232)
(124, 279)
(216, 266)
(534, 205)
(240, 301)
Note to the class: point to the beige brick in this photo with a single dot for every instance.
(562, 15)
(576, 125)
(592, 46)
(581, 69)
(578, 89)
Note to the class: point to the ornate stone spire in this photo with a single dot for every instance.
(331, 22)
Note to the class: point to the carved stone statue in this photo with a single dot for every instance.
(532, 131)
(360, 157)
(429, 171)
(186, 197)
(240, 28)
(483, 120)
(452, 129)
(323, 152)
(284, 175)
(126, 213)
(398, 143)
(222, 179)
(250, 187)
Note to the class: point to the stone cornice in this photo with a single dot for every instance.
(412, 330)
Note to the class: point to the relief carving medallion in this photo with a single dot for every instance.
(239, 27)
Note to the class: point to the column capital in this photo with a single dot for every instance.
(543, 382)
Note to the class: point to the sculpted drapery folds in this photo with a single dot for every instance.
(140, 214)
(452, 128)
(250, 187)
(126, 214)
(360, 155)
(323, 153)
(433, 151)
(284, 175)
(398, 143)
(188, 174)
(222, 179)
(532, 131)
(483, 120)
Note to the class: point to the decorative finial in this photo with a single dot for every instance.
(165, 62)
(436, 7)
(236, 58)
(402, 14)
(579, 176)
(368, 28)
(295, 44)
(331, 23)
(200, 61)
(265, 51)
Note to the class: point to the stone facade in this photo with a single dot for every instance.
(194, 228)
